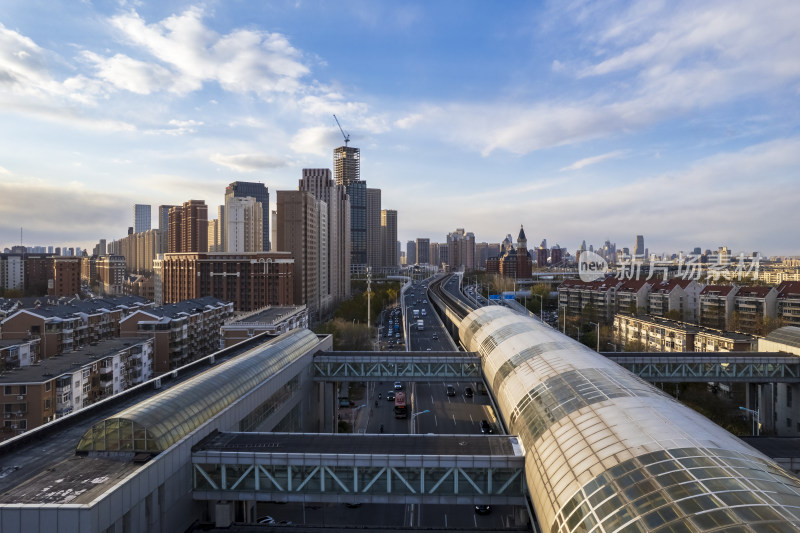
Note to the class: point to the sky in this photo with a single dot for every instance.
(676, 120)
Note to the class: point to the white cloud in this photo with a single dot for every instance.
(241, 61)
(316, 140)
(247, 162)
(129, 74)
(585, 162)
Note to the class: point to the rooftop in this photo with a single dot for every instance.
(48, 369)
(789, 335)
(270, 315)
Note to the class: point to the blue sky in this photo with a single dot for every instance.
(579, 120)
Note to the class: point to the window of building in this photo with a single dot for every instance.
(7, 390)
(47, 404)
(47, 386)
(789, 423)
(23, 389)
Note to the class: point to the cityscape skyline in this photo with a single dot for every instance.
(587, 121)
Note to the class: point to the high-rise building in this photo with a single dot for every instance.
(214, 232)
(374, 228)
(243, 224)
(423, 251)
(347, 172)
(163, 226)
(346, 165)
(391, 248)
(141, 218)
(411, 253)
(298, 233)
(188, 227)
(259, 191)
(461, 250)
(334, 248)
(638, 248)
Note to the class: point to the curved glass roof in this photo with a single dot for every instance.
(608, 452)
(157, 423)
(789, 335)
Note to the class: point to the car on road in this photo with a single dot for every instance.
(451, 391)
(486, 428)
(468, 392)
(483, 509)
(398, 385)
(266, 520)
(435, 337)
(390, 395)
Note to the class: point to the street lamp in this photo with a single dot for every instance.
(613, 346)
(598, 335)
(755, 413)
(564, 307)
(579, 332)
(541, 305)
(414, 416)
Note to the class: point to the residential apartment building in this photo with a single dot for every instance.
(461, 250)
(633, 296)
(600, 296)
(260, 193)
(188, 227)
(788, 303)
(334, 237)
(111, 274)
(298, 234)
(249, 280)
(244, 225)
(752, 307)
(423, 251)
(44, 390)
(654, 334)
(679, 296)
(66, 280)
(15, 353)
(716, 304)
(181, 332)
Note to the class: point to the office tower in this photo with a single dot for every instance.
(411, 253)
(188, 227)
(163, 225)
(638, 247)
(111, 274)
(141, 218)
(334, 278)
(374, 228)
(435, 255)
(389, 245)
(298, 233)
(556, 256)
(243, 224)
(423, 251)
(241, 189)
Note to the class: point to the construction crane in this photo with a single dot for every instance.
(345, 135)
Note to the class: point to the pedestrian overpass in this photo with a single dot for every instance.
(389, 366)
(726, 367)
(387, 469)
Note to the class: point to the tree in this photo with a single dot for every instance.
(673, 314)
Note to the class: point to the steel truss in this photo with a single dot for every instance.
(382, 368)
(660, 368)
(389, 484)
